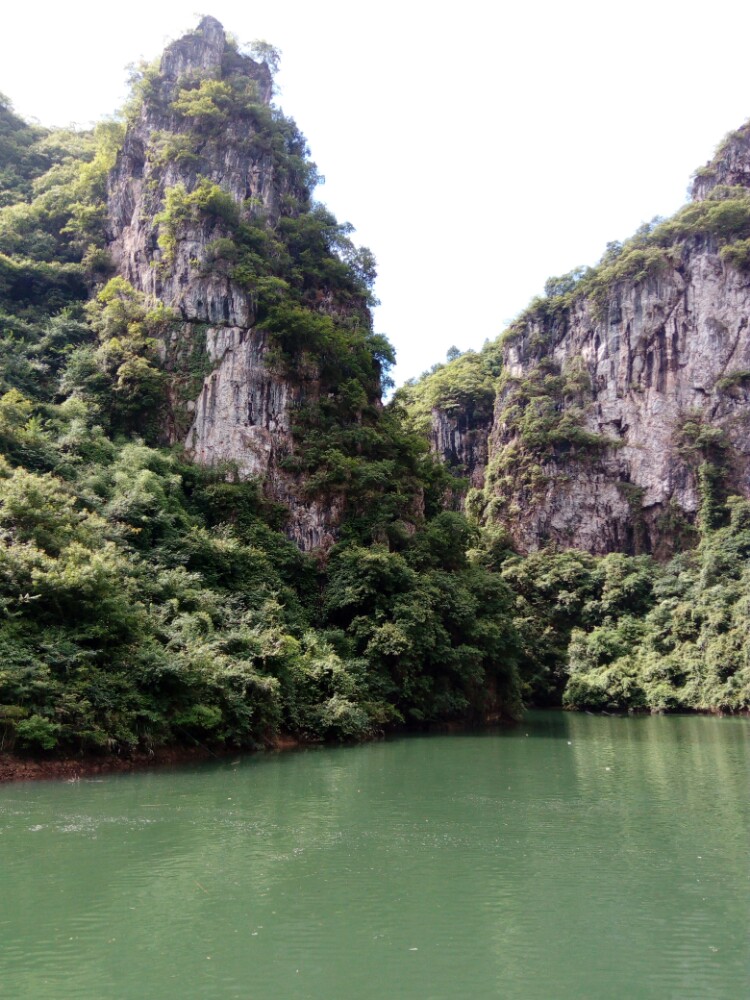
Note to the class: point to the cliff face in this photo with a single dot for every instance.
(661, 358)
(218, 170)
(624, 409)
(147, 168)
(460, 440)
(730, 166)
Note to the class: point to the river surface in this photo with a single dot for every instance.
(572, 857)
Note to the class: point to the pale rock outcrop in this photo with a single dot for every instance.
(730, 167)
(142, 177)
(655, 360)
(241, 419)
(659, 352)
(242, 414)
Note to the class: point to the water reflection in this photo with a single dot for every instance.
(572, 857)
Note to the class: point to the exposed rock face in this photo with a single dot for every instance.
(730, 166)
(144, 173)
(657, 360)
(460, 440)
(666, 364)
(242, 415)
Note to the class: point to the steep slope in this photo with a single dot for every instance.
(190, 394)
(211, 214)
(452, 405)
(622, 413)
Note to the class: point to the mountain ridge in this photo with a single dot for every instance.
(212, 528)
(623, 399)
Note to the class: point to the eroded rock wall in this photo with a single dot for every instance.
(460, 440)
(147, 168)
(624, 405)
(241, 416)
(662, 352)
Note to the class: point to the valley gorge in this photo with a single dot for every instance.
(496, 616)
(217, 530)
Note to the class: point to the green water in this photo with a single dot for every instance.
(574, 857)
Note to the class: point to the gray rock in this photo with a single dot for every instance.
(241, 419)
(658, 353)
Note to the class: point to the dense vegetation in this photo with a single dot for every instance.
(614, 633)
(466, 385)
(146, 601)
(626, 633)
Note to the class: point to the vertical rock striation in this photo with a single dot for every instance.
(152, 162)
(669, 351)
(624, 406)
(460, 440)
(242, 416)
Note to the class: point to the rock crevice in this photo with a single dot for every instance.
(241, 417)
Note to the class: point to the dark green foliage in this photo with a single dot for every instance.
(141, 606)
(126, 621)
(145, 601)
(690, 650)
(551, 591)
(438, 643)
(64, 215)
(120, 377)
(466, 385)
(39, 286)
(625, 633)
(708, 450)
(21, 161)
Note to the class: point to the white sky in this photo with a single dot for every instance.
(477, 147)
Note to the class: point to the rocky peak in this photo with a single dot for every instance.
(145, 173)
(204, 161)
(729, 167)
(199, 51)
(240, 415)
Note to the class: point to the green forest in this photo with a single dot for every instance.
(146, 601)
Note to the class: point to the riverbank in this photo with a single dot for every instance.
(27, 767)
(14, 767)
(18, 767)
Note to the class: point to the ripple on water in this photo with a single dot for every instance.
(439, 867)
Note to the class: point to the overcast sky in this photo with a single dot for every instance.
(477, 147)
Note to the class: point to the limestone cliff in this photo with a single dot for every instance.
(452, 405)
(730, 167)
(460, 440)
(205, 157)
(152, 162)
(623, 411)
(661, 357)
